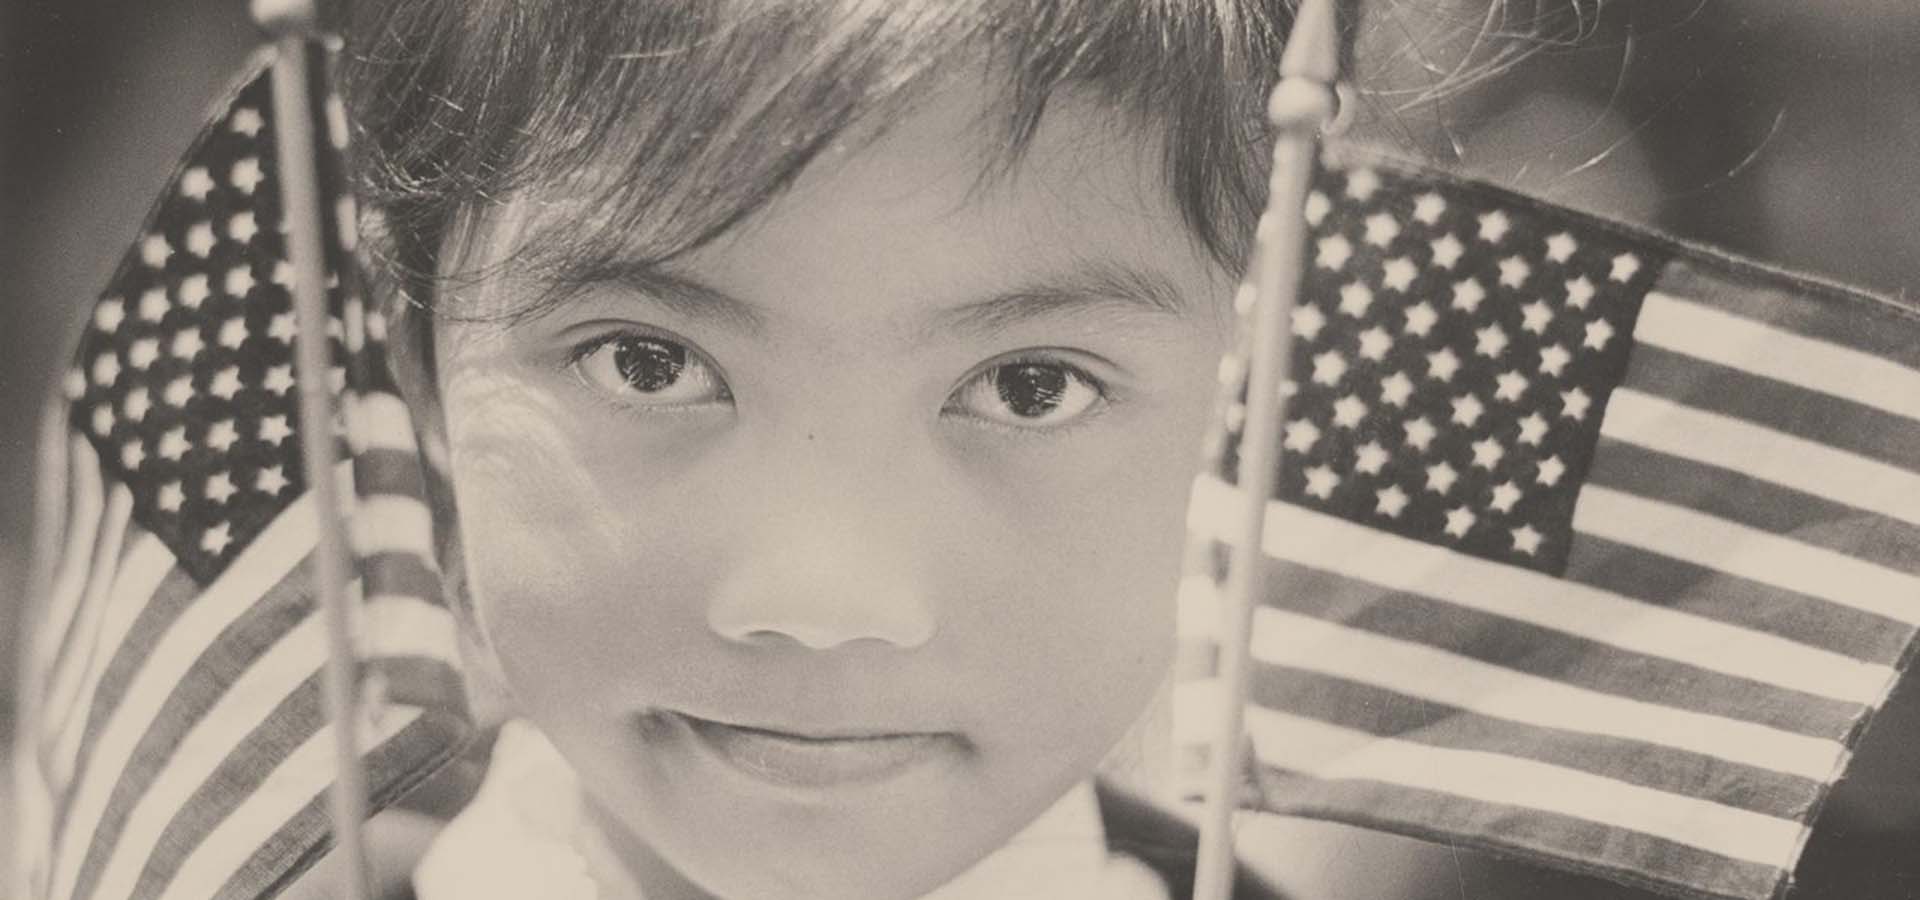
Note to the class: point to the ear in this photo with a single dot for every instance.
(411, 358)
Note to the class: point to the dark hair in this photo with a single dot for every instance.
(686, 116)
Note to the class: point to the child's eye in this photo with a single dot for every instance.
(650, 370)
(1029, 393)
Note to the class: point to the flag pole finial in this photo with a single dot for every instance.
(1302, 106)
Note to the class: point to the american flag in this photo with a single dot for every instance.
(175, 742)
(1587, 548)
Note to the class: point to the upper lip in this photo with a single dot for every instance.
(820, 734)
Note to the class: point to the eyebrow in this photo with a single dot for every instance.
(1089, 288)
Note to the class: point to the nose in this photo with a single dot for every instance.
(819, 583)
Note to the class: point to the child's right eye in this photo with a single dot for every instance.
(650, 370)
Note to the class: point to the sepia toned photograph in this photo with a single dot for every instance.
(959, 450)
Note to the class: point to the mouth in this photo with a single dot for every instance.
(827, 758)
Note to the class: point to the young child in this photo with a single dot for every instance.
(817, 387)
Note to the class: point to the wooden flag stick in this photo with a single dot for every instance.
(1301, 106)
(293, 116)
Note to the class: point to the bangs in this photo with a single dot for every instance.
(681, 118)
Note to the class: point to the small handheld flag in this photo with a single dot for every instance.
(177, 742)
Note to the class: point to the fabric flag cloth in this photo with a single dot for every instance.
(1588, 547)
(175, 743)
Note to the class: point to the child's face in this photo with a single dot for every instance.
(836, 554)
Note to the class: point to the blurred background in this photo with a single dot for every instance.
(1783, 130)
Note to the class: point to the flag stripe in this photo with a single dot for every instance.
(399, 625)
(1300, 744)
(1545, 653)
(1392, 714)
(378, 421)
(81, 646)
(380, 472)
(406, 574)
(1761, 504)
(144, 565)
(85, 522)
(267, 560)
(1875, 328)
(389, 524)
(293, 786)
(1283, 638)
(416, 751)
(1625, 569)
(201, 700)
(1553, 839)
(1742, 343)
(1747, 552)
(296, 650)
(1759, 452)
(1397, 563)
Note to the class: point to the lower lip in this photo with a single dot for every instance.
(795, 761)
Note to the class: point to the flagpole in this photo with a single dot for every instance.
(1302, 104)
(293, 22)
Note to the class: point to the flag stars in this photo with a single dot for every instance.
(1307, 321)
(1560, 247)
(173, 444)
(1460, 521)
(1329, 368)
(74, 385)
(1532, 429)
(1490, 341)
(233, 333)
(1554, 359)
(1510, 386)
(1467, 410)
(1317, 207)
(108, 315)
(1446, 251)
(282, 275)
(1442, 364)
(1494, 226)
(1355, 298)
(1467, 294)
(154, 250)
(1428, 208)
(103, 420)
(239, 282)
(1421, 318)
(1505, 495)
(132, 454)
(1420, 434)
(1514, 272)
(136, 405)
(143, 352)
(226, 383)
(1579, 292)
(200, 239)
(187, 343)
(1232, 370)
(195, 183)
(1395, 389)
(193, 290)
(1441, 478)
(246, 175)
(274, 429)
(279, 379)
(1369, 458)
(1374, 343)
(246, 120)
(153, 305)
(106, 369)
(1625, 266)
(215, 540)
(219, 487)
(281, 328)
(270, 481)
(222, 435)
(1381, 229)
(170, 497)
(1301, 435)
(1348, 412)
(1362, 183)
(1574, 403)
(241, 227)
(178, 392)
(1390, 501)
(1397, 274)
(1536, 316)
(1598, 333)
(1549, 471)
(1321, 481)
(1526, 540)
(1487, 453)
(1333, 253)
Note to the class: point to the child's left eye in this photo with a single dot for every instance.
(1029, 393)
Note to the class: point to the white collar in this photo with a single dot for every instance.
(517, 838)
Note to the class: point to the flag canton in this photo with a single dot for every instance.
(1453, 353)
(185, 379)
